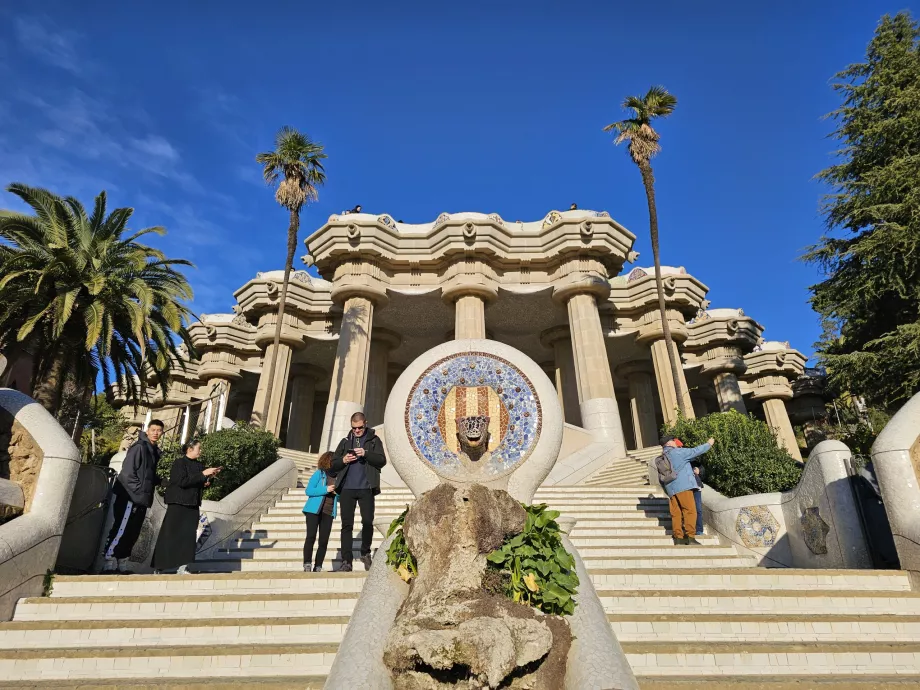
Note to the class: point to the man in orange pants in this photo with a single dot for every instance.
(676, 476)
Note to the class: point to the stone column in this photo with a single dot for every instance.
(303, 395)
(641, 402)
(559, 339)
(470, 317)
(349, 374)
(666, 383)
(728, 391)
(579, 290)
(774, 410)
(382, 342)
(699, 406)
(279, 388)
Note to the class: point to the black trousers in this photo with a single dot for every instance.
(323, 524)
(126, 527)
(347, 500)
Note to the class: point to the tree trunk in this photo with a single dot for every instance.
(47, 389)
(293, 227)
(648, 179)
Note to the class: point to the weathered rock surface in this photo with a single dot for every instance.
(20, 456)
(450, 632)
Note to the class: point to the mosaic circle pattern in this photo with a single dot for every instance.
(757, 527)
(466, 384)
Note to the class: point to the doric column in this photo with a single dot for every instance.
(303, 396)
(768, 373)
(469, 285)
(276, 405)
(774, 410)
(579, 283)
(559, 338)
(728, 391)
(382, 342)
(641, 401)
(650, 332)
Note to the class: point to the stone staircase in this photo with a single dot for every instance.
(687, 617)
(305, 462)
(629, 471)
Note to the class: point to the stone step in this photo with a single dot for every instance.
(724, 605)
(288, 630)
(114, 664)
(293, 539)
(633, 502)
(207, 585)
(838, 681)
(295, 515)
(749, 579)
(729, 659)
(633, 519)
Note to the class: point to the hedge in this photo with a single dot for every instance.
(746, 458)
(242, 451)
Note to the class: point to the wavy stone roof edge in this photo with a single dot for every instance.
(421, 228)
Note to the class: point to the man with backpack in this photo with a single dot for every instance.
(678, 481)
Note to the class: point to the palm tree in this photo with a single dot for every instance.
(84, 300)
(297, 162)
(643, 146)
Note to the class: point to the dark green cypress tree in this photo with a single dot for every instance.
(869, 300)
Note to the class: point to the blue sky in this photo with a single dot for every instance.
(492, 107)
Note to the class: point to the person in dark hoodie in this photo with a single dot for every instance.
(133, 496)
(357, 462)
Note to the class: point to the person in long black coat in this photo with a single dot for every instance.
(187, 479)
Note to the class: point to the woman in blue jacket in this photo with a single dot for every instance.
(320, 512)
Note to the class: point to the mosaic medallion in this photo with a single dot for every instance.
(473, 414)
(757, 527)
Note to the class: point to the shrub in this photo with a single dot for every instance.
(398, 555)
(242, 451)
(746, 458)
(540, 572)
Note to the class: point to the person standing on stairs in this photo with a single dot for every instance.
(357, 462)
(319, 511)
(679, 482)
(133, 492)
(698, 495)
(176, 541)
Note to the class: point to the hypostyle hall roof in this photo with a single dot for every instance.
(423, 228)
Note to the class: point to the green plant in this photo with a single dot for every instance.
(398, 555)
(541, 573)
(48, 583)
(745, 459)
(85, 298)
(242, 451)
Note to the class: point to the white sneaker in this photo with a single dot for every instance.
(182, 570)
(123, 565)
(111, 565)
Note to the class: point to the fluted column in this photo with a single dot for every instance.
(641, 402)
(470, 317)
(469, 285)
(559, 339)
(774, 410)
(349, 375)
(728, 391)
(382, 342)
(303, 397)
(276, 405)
(597, 401)
(665, 380)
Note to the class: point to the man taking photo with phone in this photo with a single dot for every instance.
(357, 462)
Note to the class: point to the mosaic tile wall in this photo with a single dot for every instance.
(473, 383)
(757, 527)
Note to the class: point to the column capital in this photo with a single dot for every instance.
(650, 328)
(359, 278)
(469, 276)
(551, 336)
(308, 371)
(292, 330)
(722, 359)
(770, 388)
(636, 366)
(580, 276)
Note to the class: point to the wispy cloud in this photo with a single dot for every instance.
(54, 47)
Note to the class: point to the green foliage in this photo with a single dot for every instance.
(109, 425)
(48, 583)
(242, 451)
(541, 573)
(745, 459)
(80, 292)
(870, 297)
(398, 555)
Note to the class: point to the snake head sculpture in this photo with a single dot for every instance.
(473, 436)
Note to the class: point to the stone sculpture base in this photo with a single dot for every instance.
(450, 632)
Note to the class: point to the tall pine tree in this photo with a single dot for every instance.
(869, 300)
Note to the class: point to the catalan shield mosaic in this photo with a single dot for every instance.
(469, 384)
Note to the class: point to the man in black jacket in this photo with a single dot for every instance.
(357, 462)
(133, 496)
